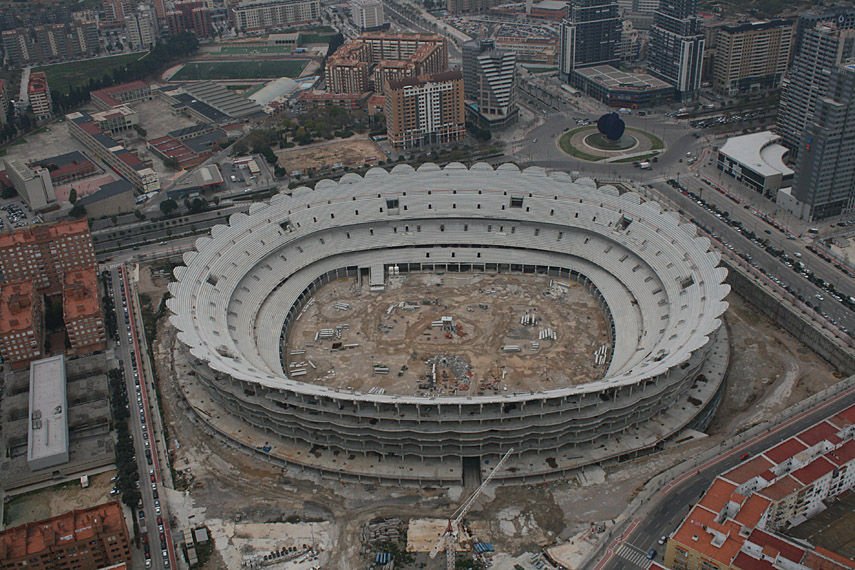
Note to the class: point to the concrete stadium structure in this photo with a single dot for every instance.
(658, 282)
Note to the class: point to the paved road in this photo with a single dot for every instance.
(144, 430)
(671, 503)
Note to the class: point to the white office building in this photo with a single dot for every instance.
(367, 14)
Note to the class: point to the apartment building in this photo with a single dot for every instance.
(142, 28)
(49, 43)
(81, 311)
(43, 253)
(373, 59)
(21, 331)
(87, 538)
(426, 111)
(86, 129)
(261, 15)
(192, 16)
(38, 93)
(740, 520)
(752, 57)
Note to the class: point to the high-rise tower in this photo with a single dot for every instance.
(825, 174)
(677, 46)
(590, 35)
(819, 51)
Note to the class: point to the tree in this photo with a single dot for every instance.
(171, 163)
(72, 196)
(78, 211)
(168, 206)
(9, 192)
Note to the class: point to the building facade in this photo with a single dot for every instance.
(81, 311)
(489, 84)
(260, 15)
(38, 93)
(824, 184)
(34, 184)
(86, 129)
(426, 111)
(373, 59)
(43, 253)
(819, 52)
(677, 46)
(590, 36)
(752, 57)
(470, 6)
(86, 538)
(118, 95)
(142, 28)
(21, 331)
(367, 14)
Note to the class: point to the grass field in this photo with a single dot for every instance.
(206, 70)
(77, 73)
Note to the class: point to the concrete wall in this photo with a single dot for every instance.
(791, 319)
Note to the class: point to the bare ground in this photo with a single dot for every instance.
(769, 371)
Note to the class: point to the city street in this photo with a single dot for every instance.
(144, 428)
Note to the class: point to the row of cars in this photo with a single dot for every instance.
(792, 261)
(141, 406)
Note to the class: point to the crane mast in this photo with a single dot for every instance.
(449, 537)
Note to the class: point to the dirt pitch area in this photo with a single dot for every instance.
(770, 370)
(333, 154)
(466, 334)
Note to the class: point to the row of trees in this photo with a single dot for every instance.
(162, 55)
(126, 463)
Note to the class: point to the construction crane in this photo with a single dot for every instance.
(448, 540)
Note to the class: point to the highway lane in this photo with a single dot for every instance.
(671, 503)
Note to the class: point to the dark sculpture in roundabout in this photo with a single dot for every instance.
(611, 126)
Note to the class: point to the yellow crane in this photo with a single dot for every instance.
(448, 540)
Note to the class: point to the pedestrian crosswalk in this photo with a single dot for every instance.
(633, 555)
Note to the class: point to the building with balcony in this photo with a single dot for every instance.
(426, 111)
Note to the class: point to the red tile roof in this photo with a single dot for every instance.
(757, 467)
(813, 471)
(694, 535)
(843, 454)
(821, 432)
(824, 559)
(774, 546)
(745, 562)
(781, 488)
(718, 495)
(785, 450)
(752, 511)
(844, 418)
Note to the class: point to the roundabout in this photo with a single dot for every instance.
(588, 144)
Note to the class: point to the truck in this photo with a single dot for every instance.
(644, 165)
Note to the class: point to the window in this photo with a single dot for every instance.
(516, 202)
(391, 203)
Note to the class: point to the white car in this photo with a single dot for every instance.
(662, 540)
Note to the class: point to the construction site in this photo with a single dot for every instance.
(444, 334)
